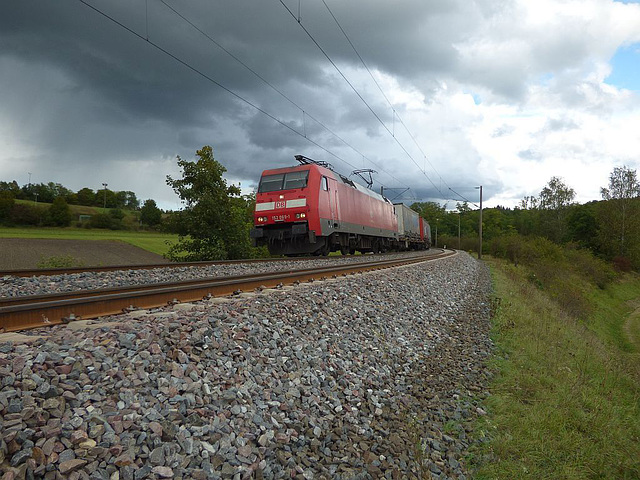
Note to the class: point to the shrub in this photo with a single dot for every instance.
(116, 213)
(59, 213)
(60, 261)
(593, 269)
(22, 214)
(101, 220)
(563, 272)
(7, 202)
(622, 264)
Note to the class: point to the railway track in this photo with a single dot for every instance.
(150, 266)
(22, 313)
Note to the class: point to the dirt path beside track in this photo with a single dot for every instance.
(19, 253)
(631, 329)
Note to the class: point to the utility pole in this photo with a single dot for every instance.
(480, 227)
(459, 213)
(437, 219)
(105, 195)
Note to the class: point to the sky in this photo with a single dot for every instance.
(437, 97)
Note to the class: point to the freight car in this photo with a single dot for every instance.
(310, 209)
(414, 233)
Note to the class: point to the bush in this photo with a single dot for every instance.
(563, 272)
(61, 261)
(101, 220)
(622, 264)
(116, 213)
(22, 214)
(7, 202)
(59, 213)
(593, 269)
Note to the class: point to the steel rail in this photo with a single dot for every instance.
(49, 297)
(145, 266)
(53, 310)
(34, 272)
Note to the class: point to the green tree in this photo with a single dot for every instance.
(6, 205)
(583, 226)
(106, 196)
(11, 187)
(432, 211)
(619, 211)
(59, 212)
(131, 201)
(211, 224)
(150, 214)
(86, 196)
(553, 202)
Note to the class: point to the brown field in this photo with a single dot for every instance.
(26, 253)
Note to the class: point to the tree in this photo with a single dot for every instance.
(131, 201)
(109, 196)
(211, 224)
(60, 213)
(623, 189)
(556, 195)
(150, 214)
(11, 187)
(553, 202)
(432, 211)
(6, 205)
(86, 196)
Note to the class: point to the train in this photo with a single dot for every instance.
(309, 209)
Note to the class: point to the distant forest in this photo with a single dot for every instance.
(47, 192)
(609, 228)
(48, 204)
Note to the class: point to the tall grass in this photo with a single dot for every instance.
(565, 400)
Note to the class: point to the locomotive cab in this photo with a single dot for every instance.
(284, 219)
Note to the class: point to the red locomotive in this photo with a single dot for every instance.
(310, 209)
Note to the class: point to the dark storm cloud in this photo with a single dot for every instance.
(79, 92)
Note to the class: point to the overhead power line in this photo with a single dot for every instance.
(395, 112)
(223, 87)
(210, 79)
(306, 31)
(277, 90)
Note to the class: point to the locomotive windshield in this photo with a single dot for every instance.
(283, 181)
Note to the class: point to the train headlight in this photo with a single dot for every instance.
(262, 219)
(301, 215)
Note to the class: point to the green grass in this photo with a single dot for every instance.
(151, 241)
(76, 209)
(565, 400)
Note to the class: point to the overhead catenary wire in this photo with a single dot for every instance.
(212, 80)
(359, 95)
(144, 37)
(395, 112)
(464, 198)
(278, 91)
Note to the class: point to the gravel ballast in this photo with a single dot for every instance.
(13, 286)
(376, 375)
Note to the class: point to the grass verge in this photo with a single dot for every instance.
(151, 241)
(565, 401)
